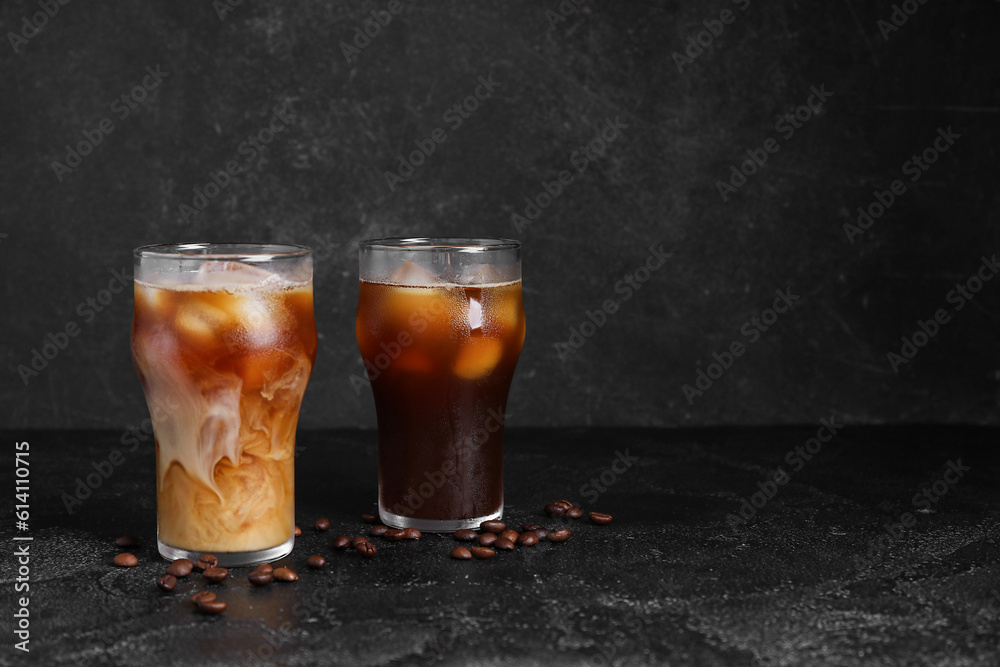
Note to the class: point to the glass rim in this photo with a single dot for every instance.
(239, 250)
(439, 243)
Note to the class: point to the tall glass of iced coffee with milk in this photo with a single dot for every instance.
(224, 341)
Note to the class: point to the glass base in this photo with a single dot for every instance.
(230, 558)
(434, 525)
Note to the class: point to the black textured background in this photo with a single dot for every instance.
(321, 182)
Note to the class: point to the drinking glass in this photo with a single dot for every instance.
(224, 341)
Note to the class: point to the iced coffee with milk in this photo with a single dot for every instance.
(224, 340)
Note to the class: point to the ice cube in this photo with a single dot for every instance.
(475, 314)
(413, 275)
(200, 323)
(233, 274)
(477, 358)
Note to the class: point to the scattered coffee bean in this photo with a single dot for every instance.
(207, 561)
(357, 540)
(527, 539)
(565, 504)
(366, 549)
(483, 552)
(487, 539)
(511, 535)
(411, 534)
(126, 560)
(167, 582)
(261, 577)
(322, 525)
(298, 531)
(560, 535)
(525, 527)
(341, 542)
(504, 544)
(461, 553)
(284, 574)
(215, 574)
(203, 596)
(393, 535)
(212, 607)
(574, 512)
(493, 526)
(541, 533)
(466, 535)
(180, 568)
(315, 562)
(600, 518)
(127, 541)
(555, 510)
(369, 518)
(265, 567)
(378, 531)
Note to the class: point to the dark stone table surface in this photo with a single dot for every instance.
(850, 562)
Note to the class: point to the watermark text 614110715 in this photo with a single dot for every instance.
(22, 546)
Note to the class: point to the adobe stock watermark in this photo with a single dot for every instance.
(88, 309)
(32, 25)
(581, 158)
(927, 329)
(246, 153)
(224, 8)
(372, 28)
(901, 13)
(785, 127)
(121, 107)
(454, 116)
(608, 477)
(627, 286)
(925, 499)
(565, 9)
(752, 330)
(697, 43)
(796, 459)
(915, 167)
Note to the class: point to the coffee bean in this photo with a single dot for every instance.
(261, 577)
(378, 531)
(207, 561)
(215, 574)
(264, 567)
(341, 542)
(527, 539)
(167, 582)
(461, 553)
(298, 531)
(126, 560)
(127, 541)
(212, 607)
(504, 544)
(466, 535)
(525, 527)
(565, 504)
(555, 510)
(493, 526)
(369, 518)
(284, 574)
(315, 562)
(411, 534)
(560, 535)
(357, 540)
(366, 549)
(600, 518)
(541, 533)
(483, 552)
(322, 525)
(574, 512)
(180, 568)
(511, 535)
(393, 535)
(202, 596)
(487, 539)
